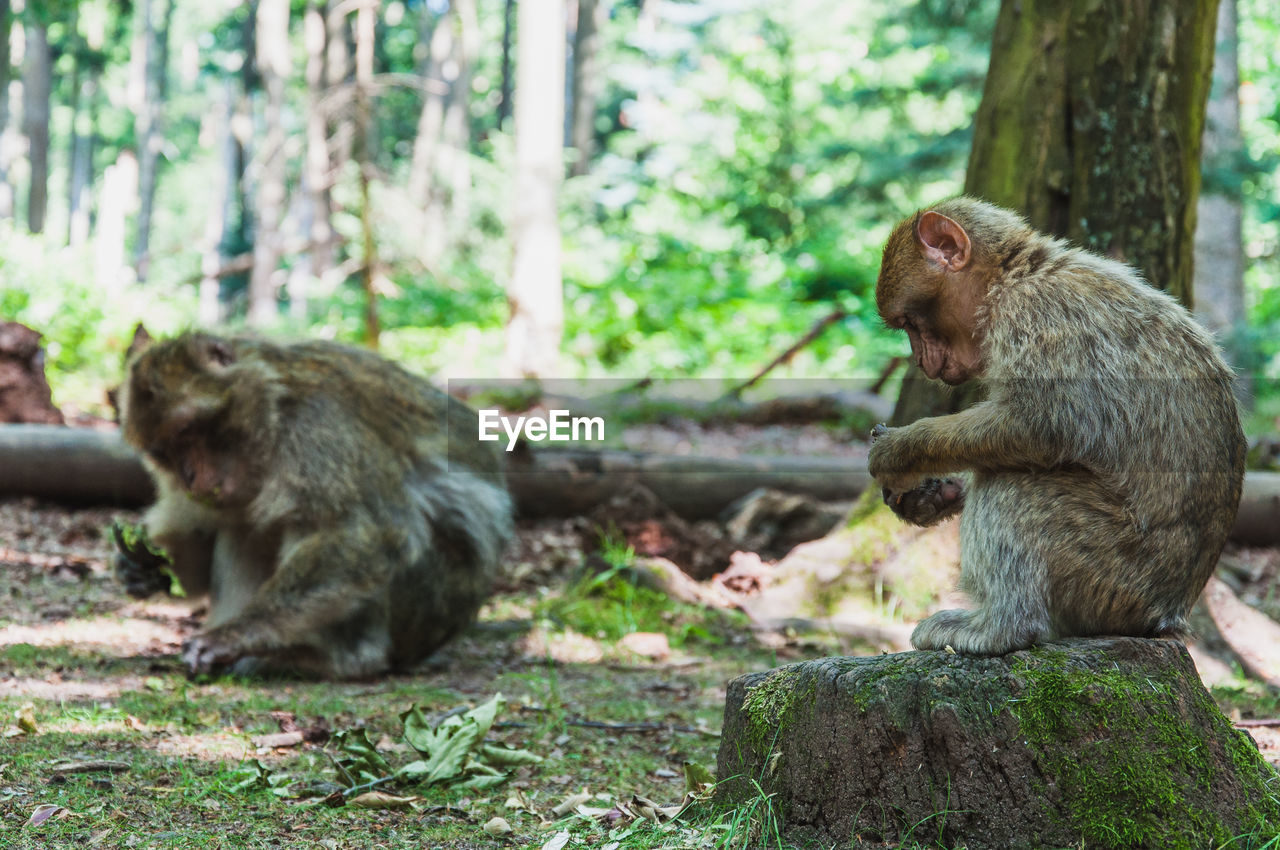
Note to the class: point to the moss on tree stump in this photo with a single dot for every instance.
(1103, 743)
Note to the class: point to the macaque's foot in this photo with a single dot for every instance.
(931, 502)
(967, 634)
(141, 570)
(210, 652)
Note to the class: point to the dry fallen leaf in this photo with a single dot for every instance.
(647, 645)
(47, 811)
(381, 800)
(557, 841)
(517, 800)
(497, 826)
(278, 739)
(570, 804)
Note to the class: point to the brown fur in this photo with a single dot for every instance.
(340, 512)
(1106, 462)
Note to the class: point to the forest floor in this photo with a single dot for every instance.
(90, 679)
(104, 742)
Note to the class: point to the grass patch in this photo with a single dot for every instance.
(615, 602)
(188, 749)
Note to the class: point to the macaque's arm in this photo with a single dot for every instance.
(983, 437)
(324, 578)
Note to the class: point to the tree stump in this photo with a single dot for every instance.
(24, 392)
(1109, 742)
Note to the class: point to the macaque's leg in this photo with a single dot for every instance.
(323, 610)
(1001, 571)
(242, 562)
(1052, 554)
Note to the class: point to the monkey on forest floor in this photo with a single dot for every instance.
(340, 513)
(1107, 459)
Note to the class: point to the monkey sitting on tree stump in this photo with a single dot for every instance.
(1105, 470)
(340, 513)
(1107, 459)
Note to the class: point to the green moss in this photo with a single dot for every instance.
(770, 705)
(876, 687)
(1141, 778)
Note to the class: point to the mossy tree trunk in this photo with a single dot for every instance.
(1090, 126)
(1109, 743)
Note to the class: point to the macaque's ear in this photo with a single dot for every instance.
(140, 342)
(218, 352)
(943, 240)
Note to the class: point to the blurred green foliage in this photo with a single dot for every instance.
(752, 157)
(1257, 175)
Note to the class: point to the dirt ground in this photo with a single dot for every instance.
(88, 675)
(104, 741)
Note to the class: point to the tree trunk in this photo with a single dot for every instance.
(1219, 245)
(272, 55)
(586, 82)
(551, 482)
(238, 210)
(457, 121)
(366, 18)
(116, 200)
(1107, 743)
(6, 189)
(318, 171)
(36, 81)
(154, 44)
(567, 482)
(535, 291)
(80, 184)
(426, 168)
(75, 47)
(338, 72)
(1090, 126)
(505, 86)
(219, 214)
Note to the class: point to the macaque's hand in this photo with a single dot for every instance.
(931, 502)
(141, 570)
(888, 461)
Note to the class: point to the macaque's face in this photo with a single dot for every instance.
(939, 358)
(176, 409)
(929, 288)
(945, 343)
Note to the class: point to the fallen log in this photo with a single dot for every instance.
(72, 465)
(86, 466)
(81, 465)
(572, 482)
(1256, 523)
(1109, 742)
